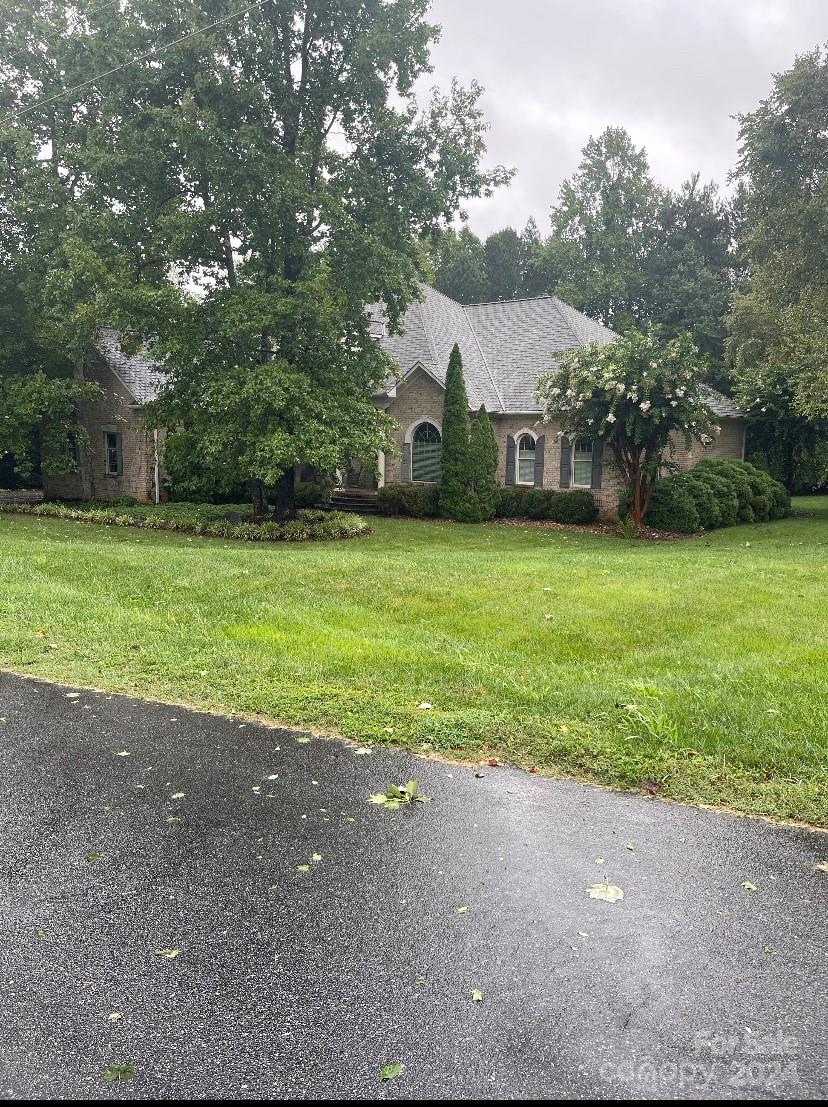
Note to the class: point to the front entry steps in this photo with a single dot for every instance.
(358, 500)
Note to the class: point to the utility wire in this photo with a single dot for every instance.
(51, 38)
(132, 61)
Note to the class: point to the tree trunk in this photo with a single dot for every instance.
(84, 455)
(285, 492)
(258, 496)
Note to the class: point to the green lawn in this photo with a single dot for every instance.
(699, 664)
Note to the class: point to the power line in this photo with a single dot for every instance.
(51, 38)
(132, 61)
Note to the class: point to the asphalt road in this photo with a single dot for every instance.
(303, 984)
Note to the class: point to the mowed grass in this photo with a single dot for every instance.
(696, 667)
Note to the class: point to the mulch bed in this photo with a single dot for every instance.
(608, 530)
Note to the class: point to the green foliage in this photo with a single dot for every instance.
(537, 503)
(483, 455)
(672, 507)
(577, 507)
(603, 229)
(38, 421)
(208, 520)
(246, 195)
(395, 796)
(635, 394)
(511, 503)
(778, 328)
(716, 493)
(457, 500)
(460, 266)
(417, 500)
(505, 265)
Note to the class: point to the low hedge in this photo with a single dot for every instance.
(577, 507)
(209, 520)
(511, 503)
(716, 493)
(417, 500)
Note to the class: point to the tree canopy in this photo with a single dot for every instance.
(244, 191)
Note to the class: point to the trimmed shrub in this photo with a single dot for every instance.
(416, 500)
(672, 507)
(726, 499)
(511, 503)
(710, 515)
(537, 503)
(576, 507)
(209, 520)
(760, 496)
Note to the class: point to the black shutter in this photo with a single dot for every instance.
(566, 463)
(539, 450)
(511, 451)
(405, 467)
(597, 462)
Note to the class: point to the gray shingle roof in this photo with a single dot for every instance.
(138, 373)
(505, 346)
(719, 404)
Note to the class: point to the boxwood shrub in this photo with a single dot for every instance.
(577, 507)
(511, 503)
(416, 500)
(716, 493)
(537, 503)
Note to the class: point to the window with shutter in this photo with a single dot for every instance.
(526, 459)
(582, 463)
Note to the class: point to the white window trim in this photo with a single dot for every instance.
(409, 440)
(517, 437)
(572, 482)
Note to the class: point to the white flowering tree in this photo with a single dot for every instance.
(638, 394)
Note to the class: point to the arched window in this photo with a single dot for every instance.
(582, 463)
(426, 450)
(525, 460)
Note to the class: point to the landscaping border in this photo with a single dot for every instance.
(204, 520)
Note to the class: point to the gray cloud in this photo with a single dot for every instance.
(673, 72)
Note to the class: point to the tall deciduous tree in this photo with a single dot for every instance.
(277, 158)
(778, 329)
(603, 229)
(504, 264)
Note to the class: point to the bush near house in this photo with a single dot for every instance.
(511, 503)
(420, 501)
(577, 507)
(716, 493)
(207, 520)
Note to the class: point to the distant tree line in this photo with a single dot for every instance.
(746, 275)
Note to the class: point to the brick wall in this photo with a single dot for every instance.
(422, 398)
(114, 411)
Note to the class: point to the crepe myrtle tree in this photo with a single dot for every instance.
(638, 394)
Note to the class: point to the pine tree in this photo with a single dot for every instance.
(483, 463)
(455, 481)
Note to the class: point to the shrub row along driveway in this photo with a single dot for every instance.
(216, 903)
(699, 665)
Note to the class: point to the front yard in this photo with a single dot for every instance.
(696, 669)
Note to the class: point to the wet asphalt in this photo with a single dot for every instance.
(130, 828)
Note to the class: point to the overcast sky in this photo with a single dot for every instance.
(672, 72)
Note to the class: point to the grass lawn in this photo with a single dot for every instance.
(701, 665)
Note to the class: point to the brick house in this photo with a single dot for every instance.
(505, 347)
